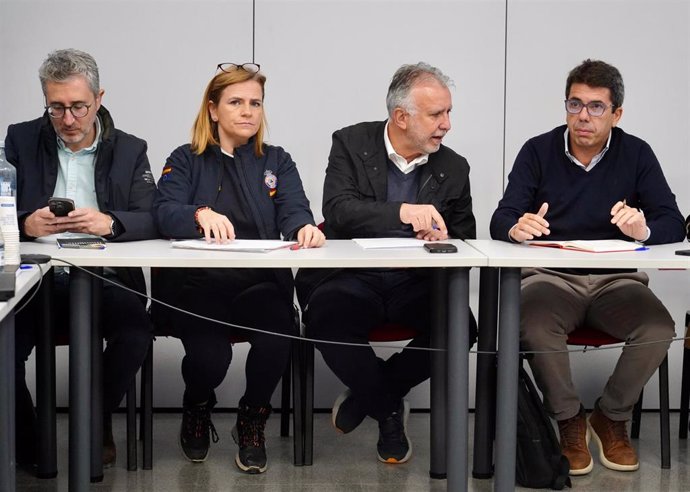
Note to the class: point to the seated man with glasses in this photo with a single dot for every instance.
(589, 179)
(74, 151)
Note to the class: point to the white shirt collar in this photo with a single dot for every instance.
(399, 161)
(595, 159)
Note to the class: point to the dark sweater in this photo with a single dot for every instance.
(580, 202)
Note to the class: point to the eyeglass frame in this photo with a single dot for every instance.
(589, 112)
(239, 66)
(64, 109)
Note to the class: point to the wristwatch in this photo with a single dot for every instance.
(114, 227)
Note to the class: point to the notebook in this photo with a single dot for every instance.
(592, 246)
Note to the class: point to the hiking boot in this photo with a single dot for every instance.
(394, 445)
(248, 433)
(197, 431)
(109, 451)
(611, 436)
(574, 437)
(346, 415)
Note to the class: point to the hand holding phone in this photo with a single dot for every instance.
(440, 248)
(60, 206)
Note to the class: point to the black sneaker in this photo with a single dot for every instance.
(196, 431)
(347, 415)
(248, 433)
(393, 445)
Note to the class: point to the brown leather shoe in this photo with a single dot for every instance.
(574, 436)
(109, 451)
(615, 450)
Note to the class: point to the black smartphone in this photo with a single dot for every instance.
(440, 248)
(60, 206)
(683, 252)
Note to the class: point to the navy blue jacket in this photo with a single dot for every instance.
(124, 184)
(190, 181)
(580, 202)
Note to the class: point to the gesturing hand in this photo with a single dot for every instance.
(423, 219)
(530, 225)
(629, 220)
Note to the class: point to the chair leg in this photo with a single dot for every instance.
(308, 403)
(637, 416)
(132, 427)
(146, 418)
(664, 418)
(684, 395)
(285, 400)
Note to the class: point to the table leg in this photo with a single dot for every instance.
(485, 392)
(508, 363)
(96, 378)
(458, 371)
(45, 382)
(439, 364)
(8, 477)
(80, 381)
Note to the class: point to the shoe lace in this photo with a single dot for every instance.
(393, 429)
(571, 431)
(198, 422)
(619, 431)
(250, 427)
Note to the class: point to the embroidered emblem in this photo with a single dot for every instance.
(271, 182)
(164, 174)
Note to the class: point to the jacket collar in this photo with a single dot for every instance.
(374, 158)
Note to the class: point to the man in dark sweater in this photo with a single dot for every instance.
(590, 180)
(391, 178)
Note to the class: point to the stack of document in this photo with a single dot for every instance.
(390, 242)
(246, 245)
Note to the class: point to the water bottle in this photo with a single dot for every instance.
(8, 209)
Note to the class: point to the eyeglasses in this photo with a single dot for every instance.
(78, 110)
(247, 67)
(594, 108)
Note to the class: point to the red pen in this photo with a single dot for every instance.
(295, 247)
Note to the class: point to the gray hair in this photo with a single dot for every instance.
(405, 78)
(63, 64)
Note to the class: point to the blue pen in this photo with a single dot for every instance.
(25, 267)
(642, 248)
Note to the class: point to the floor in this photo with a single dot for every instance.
(341, 463)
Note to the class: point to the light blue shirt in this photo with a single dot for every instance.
(75, 179)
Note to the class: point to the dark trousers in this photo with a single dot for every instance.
(208, 348)
(348, 306)
(126, 328)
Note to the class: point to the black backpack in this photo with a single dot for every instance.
(539, 463)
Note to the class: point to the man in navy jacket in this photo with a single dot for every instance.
(74, 151)
(390, 178)
(590, 180)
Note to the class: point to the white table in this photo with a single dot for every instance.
(510, 258)
(336, 254)
(25, 280)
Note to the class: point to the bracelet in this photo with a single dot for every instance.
(196, 216)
